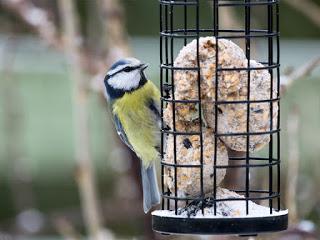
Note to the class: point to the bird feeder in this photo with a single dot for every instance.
(220, 119)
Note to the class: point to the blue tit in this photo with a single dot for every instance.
(134, 103)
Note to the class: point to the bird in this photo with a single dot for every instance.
(134, 103)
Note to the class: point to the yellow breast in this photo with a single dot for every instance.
(139, 122)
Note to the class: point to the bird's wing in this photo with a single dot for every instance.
(154, 107)
(155, 110)
(121, 132)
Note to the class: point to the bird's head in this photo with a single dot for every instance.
(125, 75)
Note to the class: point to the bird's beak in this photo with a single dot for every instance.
(143, 66)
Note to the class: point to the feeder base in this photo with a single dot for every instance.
(218, 226)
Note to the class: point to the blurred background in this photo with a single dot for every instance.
(63, 172)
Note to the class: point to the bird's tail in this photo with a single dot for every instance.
(151, 196)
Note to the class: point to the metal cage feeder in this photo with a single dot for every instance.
(218, 107)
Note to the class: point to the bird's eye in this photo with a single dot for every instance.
(127, 69)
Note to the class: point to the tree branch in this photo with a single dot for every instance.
(287, 80)
(114, 35)
(293, 166)
(115, 38)
(36, 19)
(85, 176)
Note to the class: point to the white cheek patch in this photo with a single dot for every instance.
(125, 80)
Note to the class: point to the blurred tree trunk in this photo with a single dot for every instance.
(117, 47)
(114, 34)
(293, 166)
(85, 176)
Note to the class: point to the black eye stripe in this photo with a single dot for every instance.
(128, 69)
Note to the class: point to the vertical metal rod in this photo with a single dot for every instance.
(216, 33)
(173, 113)
(185, 22)
(278, 95)
(270, 62)
(166, 42)
(167, 75)
(199, 103)
(161, 111)
(248, 56)
(185, 33)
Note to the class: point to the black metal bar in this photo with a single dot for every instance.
(222, 134)
(252, 191)
(216, 34)
(267, 197)
(272, 66)
(161, 103)
(248, 133)
(252, 159)
(248, 56)
(173, 113)
(254, 33)
(169, 66)
(222, 102)
(181, 165)
(220, 3)
(179, 101)
(185, 22)
(220, 69)
(180, 133)
(233, 3)
(250, 165)
(185, 30)
(209, 30)
(273, 163)
(251, 101)
(199, 104)
(270, 59)
(278, 95)
(179, 3)
(167, 73)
